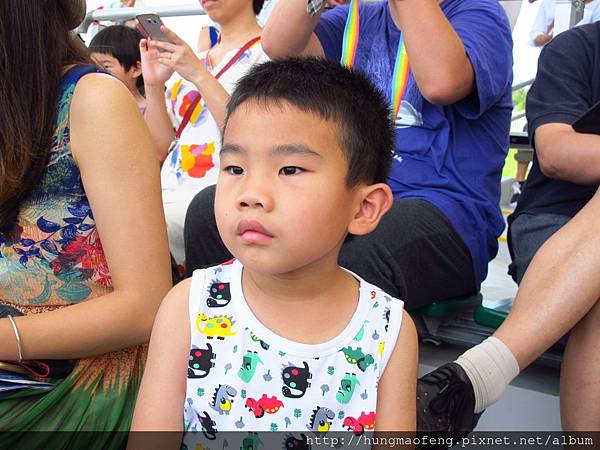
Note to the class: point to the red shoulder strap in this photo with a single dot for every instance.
(188, 113)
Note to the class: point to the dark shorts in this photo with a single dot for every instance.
(414, 254)
(526, 234)
(524, 156)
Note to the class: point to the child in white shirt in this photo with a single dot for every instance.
(282, 338)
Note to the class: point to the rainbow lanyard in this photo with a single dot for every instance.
(401, 66)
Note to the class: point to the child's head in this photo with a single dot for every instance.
(307, 147)
(116, 49)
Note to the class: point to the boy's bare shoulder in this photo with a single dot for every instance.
(405, 352)
(177, 298)
(408, 331)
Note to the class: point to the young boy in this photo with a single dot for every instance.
(116, 49)
(282, 338)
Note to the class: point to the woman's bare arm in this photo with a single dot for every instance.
(115, 155)
(156, 116)
(180, 57)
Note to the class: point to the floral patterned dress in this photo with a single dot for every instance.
(53, 258)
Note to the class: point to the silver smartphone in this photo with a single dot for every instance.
(149, 25)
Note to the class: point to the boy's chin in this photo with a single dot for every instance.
(278, 267)
(265, 264)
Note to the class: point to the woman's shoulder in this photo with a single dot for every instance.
(99, 86)
(250, 57)
(107, 128)
(73, 72)
(253, 54)
(103, 99)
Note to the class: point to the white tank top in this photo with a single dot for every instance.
(244, 377)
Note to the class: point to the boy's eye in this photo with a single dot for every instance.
(290, 170)
(234, 170)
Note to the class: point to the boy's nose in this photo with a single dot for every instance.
(255, 195)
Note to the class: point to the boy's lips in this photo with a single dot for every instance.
(207, 2)
(251, 231)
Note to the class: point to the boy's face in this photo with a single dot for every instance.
(282, 203)
(114, 67)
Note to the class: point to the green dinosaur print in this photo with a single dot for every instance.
(356, 356)
(347, 387)
(249, 365)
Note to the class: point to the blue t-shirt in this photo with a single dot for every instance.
(451, 156)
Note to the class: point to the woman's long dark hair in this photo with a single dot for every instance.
(35, 46)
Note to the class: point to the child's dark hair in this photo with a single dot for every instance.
(122, 43)
(257, 6)
(339, 95)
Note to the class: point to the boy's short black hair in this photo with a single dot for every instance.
(257, 6)
(334, 93)
(121, 42)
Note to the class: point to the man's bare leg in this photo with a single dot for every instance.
(579, 380)
(560, 286)
(521, 170)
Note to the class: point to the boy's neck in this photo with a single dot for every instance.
(308, 284)
(310, 306)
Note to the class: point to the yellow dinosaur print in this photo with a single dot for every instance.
(219, 326)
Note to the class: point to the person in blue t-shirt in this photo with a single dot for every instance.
(549, 264)
(452, 136)
(451, 139)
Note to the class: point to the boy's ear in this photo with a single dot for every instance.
(375, 201)
(136, 71)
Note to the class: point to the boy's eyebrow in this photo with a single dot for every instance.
(285, 149)
(231, 149)
(294, 149)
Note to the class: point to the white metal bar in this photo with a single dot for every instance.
(130, 13)
(522, 84)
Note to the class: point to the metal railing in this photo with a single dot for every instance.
(130, 13)
(522, 84)
(196, 10)
(518, 115)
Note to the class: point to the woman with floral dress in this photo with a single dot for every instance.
(84, 258)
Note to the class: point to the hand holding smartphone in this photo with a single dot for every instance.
(165, 50)
(149, 25)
